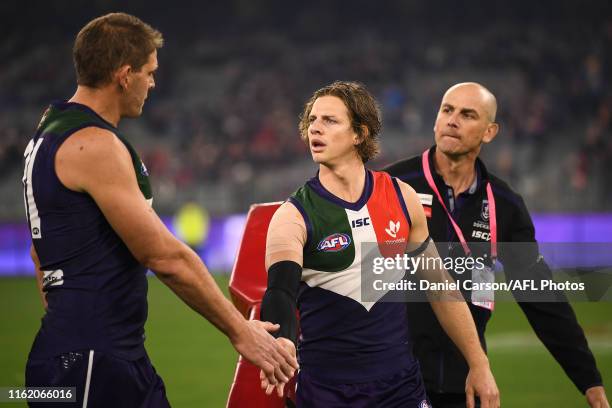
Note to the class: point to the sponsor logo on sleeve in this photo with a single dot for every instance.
(426, 199)
(52, 278)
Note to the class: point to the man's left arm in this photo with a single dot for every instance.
(554, 323)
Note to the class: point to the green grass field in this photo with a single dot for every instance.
(197, 363)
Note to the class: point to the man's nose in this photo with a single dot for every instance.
(314, 128)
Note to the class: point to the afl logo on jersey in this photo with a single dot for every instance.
(334, 243)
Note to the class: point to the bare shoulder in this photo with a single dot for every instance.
(286, 225)
(408, 192)
(89, 154)
(287, 212)
(417, 214)
(92, 143)
(287, 235)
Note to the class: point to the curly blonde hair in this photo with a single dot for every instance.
(364, 113)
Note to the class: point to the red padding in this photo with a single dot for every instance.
(247, 287)
(249, 277)
(246, 390)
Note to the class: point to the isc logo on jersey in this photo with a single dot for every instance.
(360, 222)
(481, 235)
(334, 243)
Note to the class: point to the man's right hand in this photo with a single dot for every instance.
(480, 382)
(265, 384)
(596, 397)
(257, 345)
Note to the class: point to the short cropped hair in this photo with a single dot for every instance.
(363, 110)
(107, 43)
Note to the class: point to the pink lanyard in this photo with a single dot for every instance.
(490, 198)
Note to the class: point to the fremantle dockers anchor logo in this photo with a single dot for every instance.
(484, 210)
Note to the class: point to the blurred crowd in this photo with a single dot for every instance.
(221, 127)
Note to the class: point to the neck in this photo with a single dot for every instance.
(100, 100)
(345, 181)
(458, 171)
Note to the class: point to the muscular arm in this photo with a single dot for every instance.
(286, 236)
(284, 256)
(39, 276)
(96, 162)
(452, 312)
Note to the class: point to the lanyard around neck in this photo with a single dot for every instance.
(491, 202)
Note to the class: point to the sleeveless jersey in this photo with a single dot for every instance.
(344, 337)
(96, 290)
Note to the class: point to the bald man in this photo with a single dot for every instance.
(467, 206)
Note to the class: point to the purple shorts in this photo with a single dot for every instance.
(401, 389)
(103, 379)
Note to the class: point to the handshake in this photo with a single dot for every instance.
(276, 358)
(268, 386)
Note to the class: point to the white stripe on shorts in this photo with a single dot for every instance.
(88, 379)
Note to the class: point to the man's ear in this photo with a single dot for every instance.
(490, 132)
(122, 76)
(361, 136)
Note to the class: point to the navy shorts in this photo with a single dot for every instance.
(403, 389)
(100, 378)
(450, 400)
